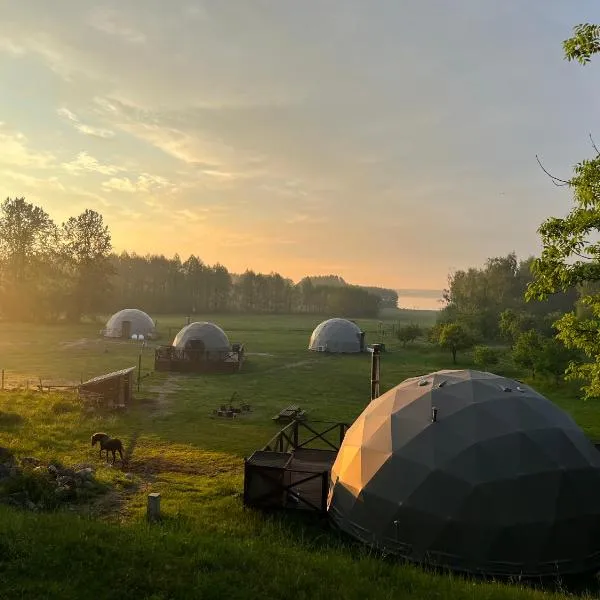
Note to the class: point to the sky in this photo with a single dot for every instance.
(391, 142)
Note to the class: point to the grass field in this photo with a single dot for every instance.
(208, 545)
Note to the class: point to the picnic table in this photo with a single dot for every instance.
(289, 414)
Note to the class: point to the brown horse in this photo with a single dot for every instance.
(108, 444)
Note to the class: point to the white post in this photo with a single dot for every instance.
(153, 512)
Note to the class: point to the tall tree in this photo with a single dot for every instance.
(28, 257)
(27, 234)
(571, 252)
(86, 247)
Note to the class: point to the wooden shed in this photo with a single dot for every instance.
(112, 390)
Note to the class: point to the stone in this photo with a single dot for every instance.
(30, 461)
(64, 493)
(129, 476)
(66, 481)
(85, 474)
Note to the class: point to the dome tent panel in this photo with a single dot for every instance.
(337, 336)
(129, 322)
(481, 487)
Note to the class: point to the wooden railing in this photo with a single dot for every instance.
(291, 436)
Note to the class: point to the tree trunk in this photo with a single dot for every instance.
(454, 355)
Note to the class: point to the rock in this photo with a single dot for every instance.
(30, 461)
(66, 481)
(85, 474)
(53, 470)
(89, 485)
(31, 505)
(129, 476)
(66, 472)
(6, 456)
(81, 466)
(64, 493)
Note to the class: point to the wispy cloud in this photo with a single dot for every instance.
(112, 22)
(99, 132)
(144, 183)
(16, 151)
(84, 163)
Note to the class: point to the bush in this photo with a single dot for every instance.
(484, 356)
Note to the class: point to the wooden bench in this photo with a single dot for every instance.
(289, 414)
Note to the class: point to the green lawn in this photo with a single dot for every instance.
(209, 545)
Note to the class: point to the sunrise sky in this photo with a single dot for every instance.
(387, 141)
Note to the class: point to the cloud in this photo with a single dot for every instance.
(33, 183)
(111, 22)
(85, 129)
(16, 151)
(145, 183)
(85, 163)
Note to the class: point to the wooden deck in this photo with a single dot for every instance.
(303, 463)
(287, 474)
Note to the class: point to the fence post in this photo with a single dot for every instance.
(296, 440)
(2, 379)
(153, 510)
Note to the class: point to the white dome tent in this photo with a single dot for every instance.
(129, 322)
(200, 347)
(202, 336)
(337, 336)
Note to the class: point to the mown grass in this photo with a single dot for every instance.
(209, 545)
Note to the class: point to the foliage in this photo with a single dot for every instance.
(478, 298)
(28, 242)
(408, 333)
(584, 43)
(571, 253)
(454, 337)
(484, 356)
(526, 350)
(553, 358)
(86, 246)
(513, 323)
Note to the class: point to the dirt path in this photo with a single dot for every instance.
(294, 365)
(165, 392)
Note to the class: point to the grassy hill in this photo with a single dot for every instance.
(208, 545)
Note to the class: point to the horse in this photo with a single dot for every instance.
(108, 444)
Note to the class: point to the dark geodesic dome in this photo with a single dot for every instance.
(472, 471)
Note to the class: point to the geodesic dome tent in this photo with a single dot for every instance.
(202, 336)
(128, 322)
(337, 335)
(471, 471)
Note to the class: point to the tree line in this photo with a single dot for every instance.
(69, 271)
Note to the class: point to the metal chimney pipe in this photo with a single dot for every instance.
(375, 362)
